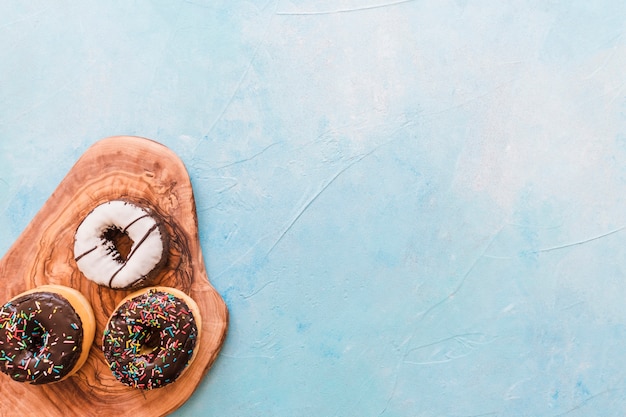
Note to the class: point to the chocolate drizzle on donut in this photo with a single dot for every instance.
(85, 253)
(40, 338)
(150, 339)
(135, 221)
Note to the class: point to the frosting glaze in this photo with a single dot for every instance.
(40, 338)
(119, 244)
(150, 339)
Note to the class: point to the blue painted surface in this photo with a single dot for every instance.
(412, 209)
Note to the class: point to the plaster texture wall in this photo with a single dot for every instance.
(411, 208)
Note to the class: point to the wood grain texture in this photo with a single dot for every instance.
(150, 174)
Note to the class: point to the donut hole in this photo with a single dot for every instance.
(120, 244)
(38, 337)
(151, 341)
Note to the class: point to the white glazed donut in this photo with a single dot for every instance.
(119, 244)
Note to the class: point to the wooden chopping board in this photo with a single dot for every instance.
(150, 174)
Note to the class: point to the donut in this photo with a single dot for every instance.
(120, 245)
(151, 337)
(45, 334)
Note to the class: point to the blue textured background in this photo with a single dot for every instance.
(412, 208)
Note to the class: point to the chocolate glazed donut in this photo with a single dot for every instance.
(151, 337)
(41, 338)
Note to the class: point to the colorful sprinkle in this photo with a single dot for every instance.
(30, 327)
